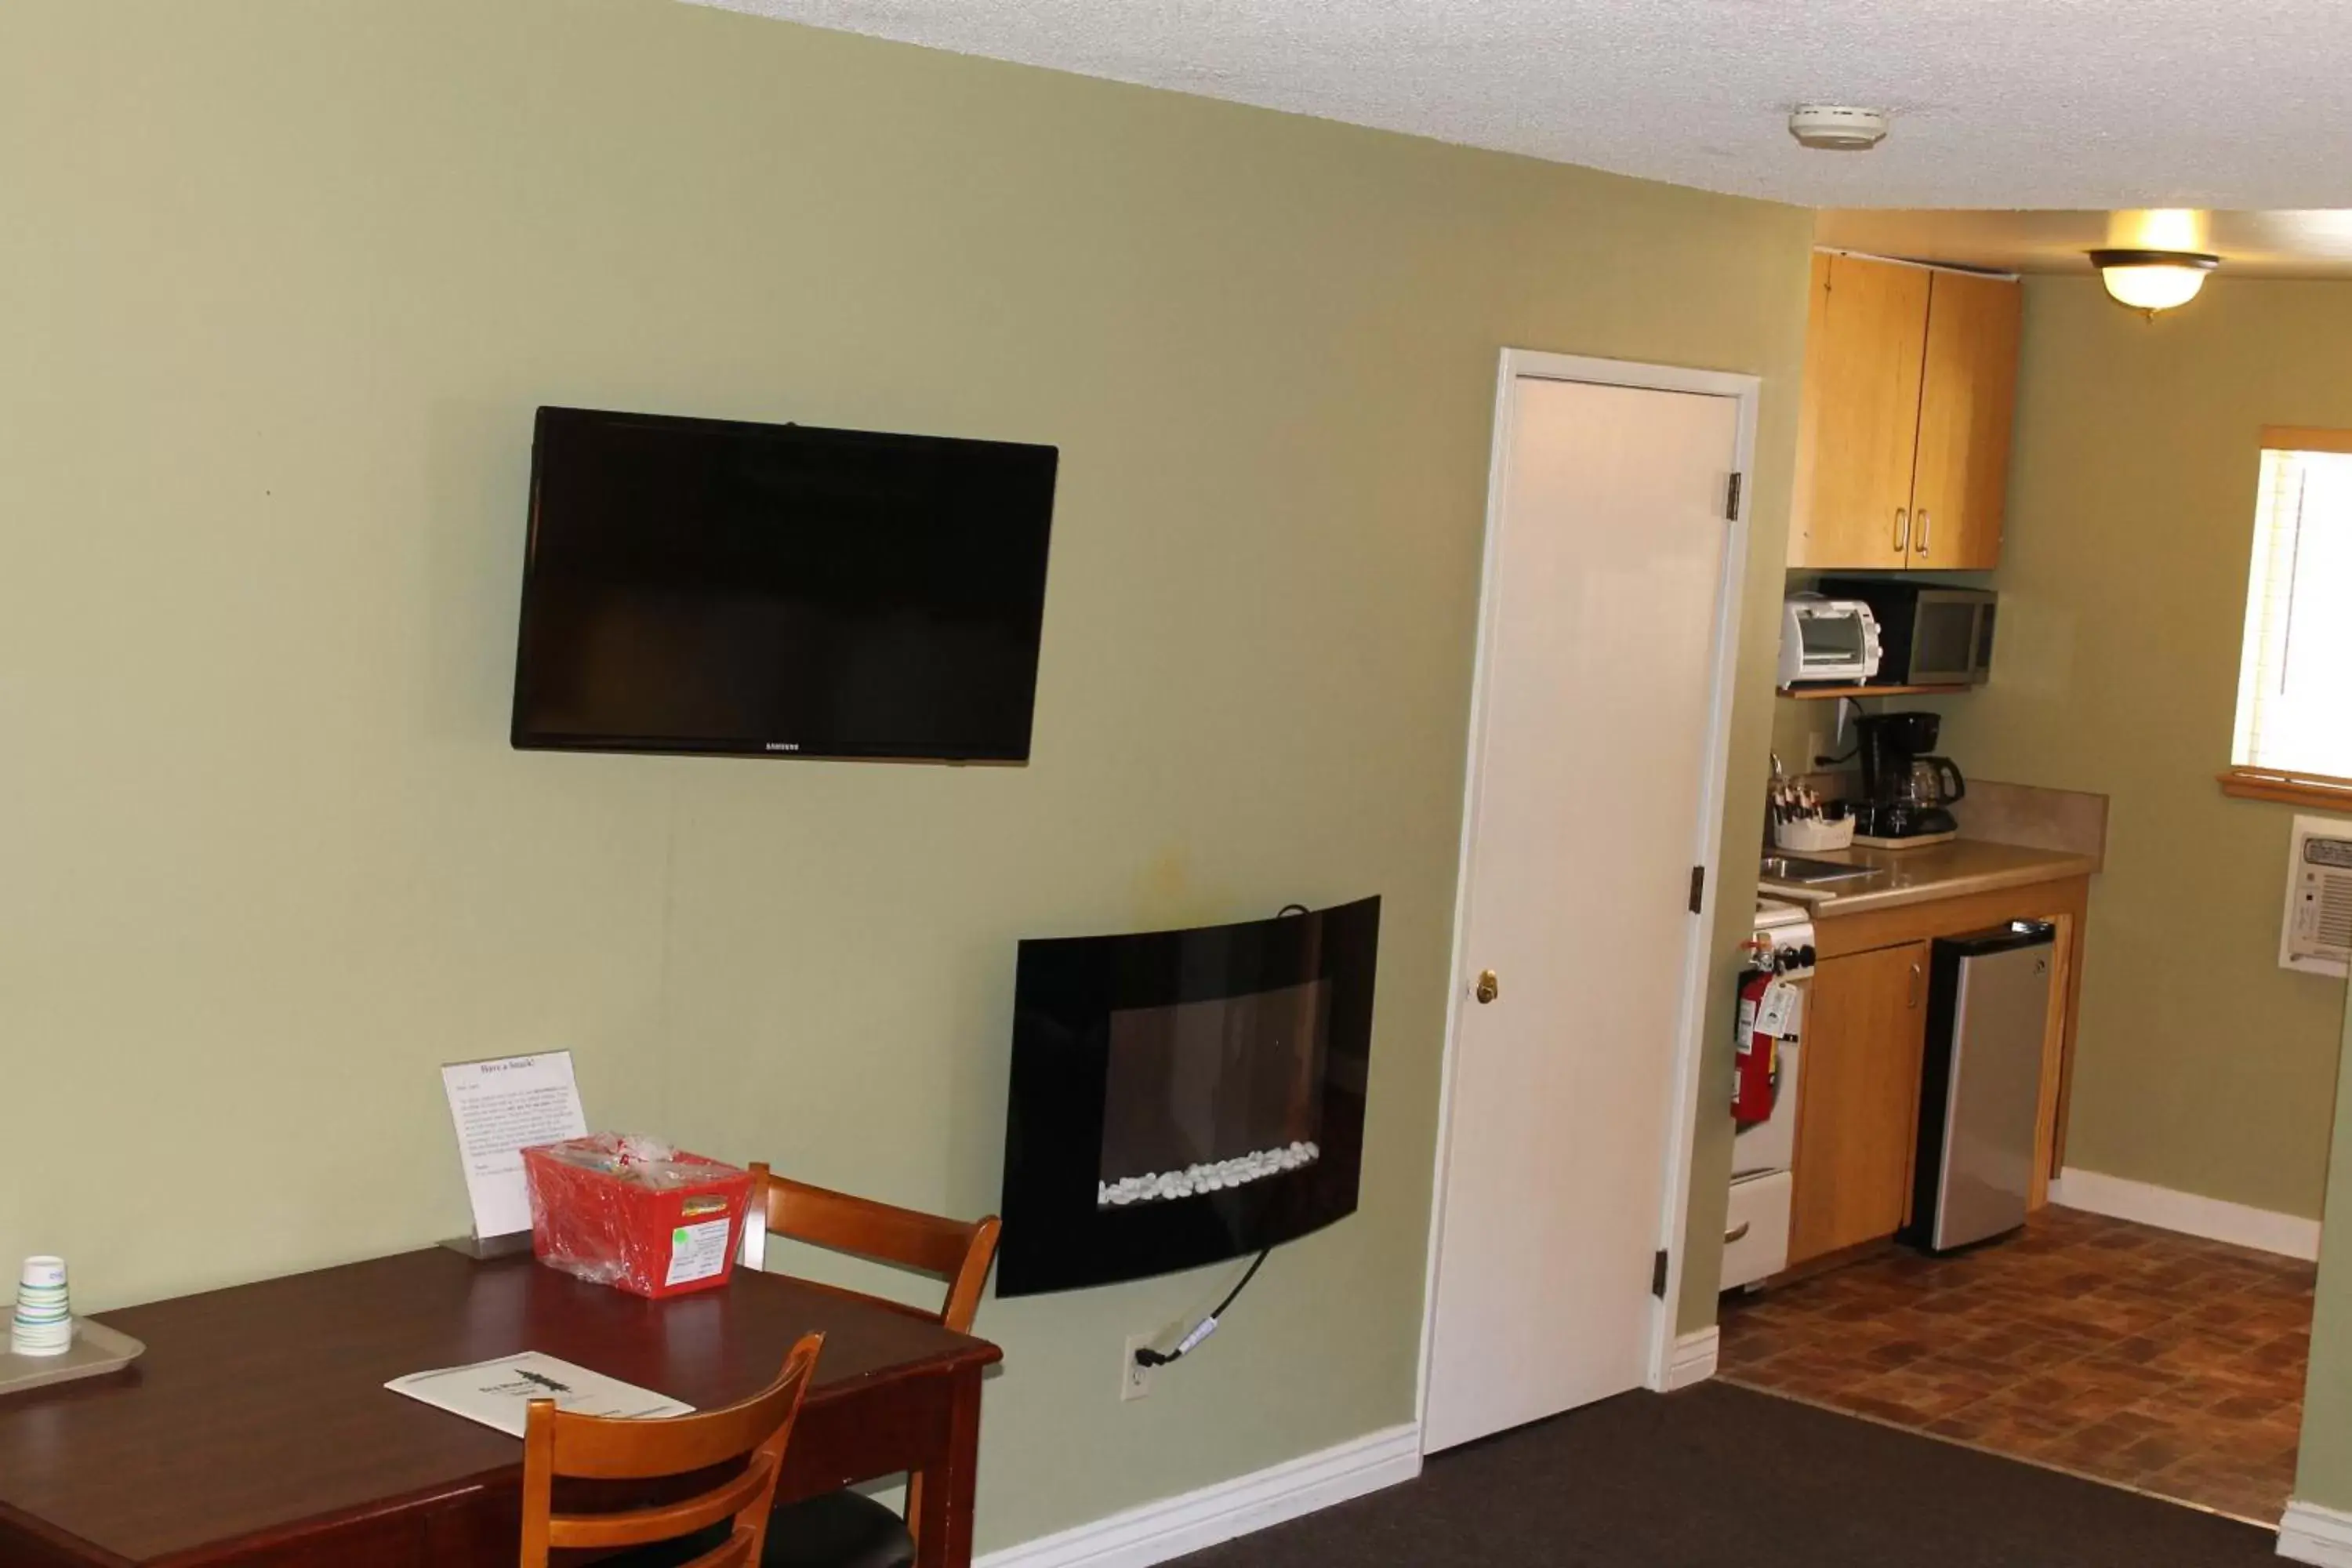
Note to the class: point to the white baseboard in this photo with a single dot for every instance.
(1693, 1358)
(2291, 1236)
(1161, 1531)
(2310, 1533)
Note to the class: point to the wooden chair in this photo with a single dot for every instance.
(847, 1529)
(602, 1448)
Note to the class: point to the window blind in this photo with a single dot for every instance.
(2295, 677)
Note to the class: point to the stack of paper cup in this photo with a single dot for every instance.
(44, 1322)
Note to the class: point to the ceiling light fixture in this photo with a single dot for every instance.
(1837, 127)
(2153, 280)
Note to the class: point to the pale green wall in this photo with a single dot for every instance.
(280, 284)
(2201, 1065)
(2324, 1466)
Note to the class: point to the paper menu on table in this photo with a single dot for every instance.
(499, 1109)
(499, 1392)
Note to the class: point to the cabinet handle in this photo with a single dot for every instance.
(1923, 532)
(1917, 974)
(1901, 530)
(1738, 1232)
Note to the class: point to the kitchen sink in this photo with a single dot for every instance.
(1810, 873)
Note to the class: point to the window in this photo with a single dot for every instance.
(2295, 677)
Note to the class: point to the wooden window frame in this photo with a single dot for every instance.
(2304, 438)
(2319, 792)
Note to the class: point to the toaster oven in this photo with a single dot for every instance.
(1825, 638)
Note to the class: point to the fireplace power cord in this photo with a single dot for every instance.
(1146, 1356)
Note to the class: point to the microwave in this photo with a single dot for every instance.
(1930, 635)
(1825, 638)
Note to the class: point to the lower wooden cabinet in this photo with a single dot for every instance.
(1857, 1117)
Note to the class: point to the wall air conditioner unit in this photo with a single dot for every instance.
(2315, 937)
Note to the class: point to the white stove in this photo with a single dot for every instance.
(1756, 1231)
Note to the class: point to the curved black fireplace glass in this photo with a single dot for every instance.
(1180, 1098)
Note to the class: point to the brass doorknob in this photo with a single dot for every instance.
(1488, 986)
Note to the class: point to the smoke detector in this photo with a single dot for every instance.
(1837, 127)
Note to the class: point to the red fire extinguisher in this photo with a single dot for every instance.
(1757, 1068)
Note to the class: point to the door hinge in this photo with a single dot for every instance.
(1732, 501)
(1698, 889)
(1658, 1274)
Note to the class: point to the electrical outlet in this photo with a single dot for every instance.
(1817, 746)
(1134, 1377)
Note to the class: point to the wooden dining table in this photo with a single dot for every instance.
(256, 1430)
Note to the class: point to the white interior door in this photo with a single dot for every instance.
(1588, 805)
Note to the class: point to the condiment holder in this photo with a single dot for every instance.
(1801, 819)
(1813, 833)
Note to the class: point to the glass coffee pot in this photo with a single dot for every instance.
(1931, 782)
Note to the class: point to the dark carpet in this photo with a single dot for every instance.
(1717, 1477)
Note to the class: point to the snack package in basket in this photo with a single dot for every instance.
(636, 1214)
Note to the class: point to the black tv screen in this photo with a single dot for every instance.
(704, 585)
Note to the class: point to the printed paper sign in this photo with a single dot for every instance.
(499, 1109)
(697, 1251)
(1781, 1013)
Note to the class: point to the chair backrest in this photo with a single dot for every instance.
(959, 1251)
(557, 1443)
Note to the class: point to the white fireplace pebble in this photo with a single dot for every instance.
(1212, 1178)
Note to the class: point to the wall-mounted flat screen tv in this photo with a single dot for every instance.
(702, 585)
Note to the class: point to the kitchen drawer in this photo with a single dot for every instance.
(1759, 1218)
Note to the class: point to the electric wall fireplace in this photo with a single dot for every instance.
(1180, 1098)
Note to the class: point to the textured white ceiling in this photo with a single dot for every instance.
(1997, 103)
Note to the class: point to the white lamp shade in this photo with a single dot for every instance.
(2153, 279)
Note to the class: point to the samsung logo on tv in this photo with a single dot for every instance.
(782, 746)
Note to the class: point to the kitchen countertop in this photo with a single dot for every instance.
(1938, 871)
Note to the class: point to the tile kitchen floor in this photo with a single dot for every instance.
(2118, 1352)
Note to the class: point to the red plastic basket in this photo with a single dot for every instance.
(658, 1230)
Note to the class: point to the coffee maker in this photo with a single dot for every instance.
(1905, 790)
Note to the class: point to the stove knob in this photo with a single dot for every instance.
(1805, 956)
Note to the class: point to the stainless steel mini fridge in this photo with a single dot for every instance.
(1980, 1084)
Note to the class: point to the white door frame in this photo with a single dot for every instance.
(1699, 963)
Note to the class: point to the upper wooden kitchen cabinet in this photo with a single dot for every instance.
(1902, 444)
(1967, 395)
(1865, 346)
